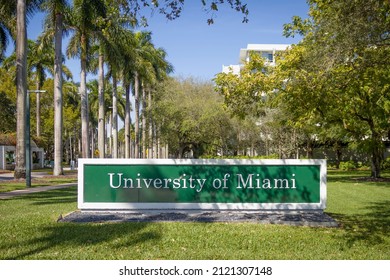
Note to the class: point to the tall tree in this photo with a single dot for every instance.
(21, 89)
(189, 125)
(83, 21)
(161, 69)
(112, 41)
(10, 9)
(339, 72)
(55, 23)
(142, 49)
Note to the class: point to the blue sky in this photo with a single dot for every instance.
(199, 50)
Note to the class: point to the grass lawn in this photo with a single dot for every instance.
(28, 230)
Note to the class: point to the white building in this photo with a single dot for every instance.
(235, 69)
(267, 51)
(7, 157)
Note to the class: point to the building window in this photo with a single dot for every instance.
(268, 56)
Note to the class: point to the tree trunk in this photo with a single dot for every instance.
(150, 120)
(101, 123)
(376, 154)
(310, 149)
(144, 129)
(84, 100)
(114, 117)
(92, 141)
(21, 89)
(58, 149)
(109, 133)
(338, 151)
(136, 124)
(127, 123)
(38, 109)
(376, 159)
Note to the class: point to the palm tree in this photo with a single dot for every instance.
(54, 22)
(8, 11)
(153, 67)
(101, 109)
(21, 89)
(83, 21)
(142, 66)
(127, 45)
(112, 44)
(39, 61)
(161, 68)
(71, 102)
(114, 115)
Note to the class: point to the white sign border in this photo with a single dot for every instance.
(202, 206)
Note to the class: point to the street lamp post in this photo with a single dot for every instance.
(28, 141)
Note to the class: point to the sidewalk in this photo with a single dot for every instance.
(11, 194)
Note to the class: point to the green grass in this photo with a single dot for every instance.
(29, 230)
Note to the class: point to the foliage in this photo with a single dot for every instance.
(188, 123)
(245, 94)
(348, 165)
(331, 88)
(172, 9)
(8, 139)
(7, 114)
(337, 76)
(250, 95)
(386, 164)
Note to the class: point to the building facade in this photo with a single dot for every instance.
(267, 51)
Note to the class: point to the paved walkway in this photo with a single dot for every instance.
(10, 176)
(12, 194)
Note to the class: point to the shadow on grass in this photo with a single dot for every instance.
(80, 238)
(70, 238)
(372, 227)
(357, 176)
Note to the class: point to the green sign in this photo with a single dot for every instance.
(202, 184)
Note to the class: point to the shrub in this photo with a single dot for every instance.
(348, 165)
(386, 164)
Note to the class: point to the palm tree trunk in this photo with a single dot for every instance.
(136, 124)
(84, 101)
(92, 140)
(101, 124)
(38, 110)
(127, 123)
(150, 120)
(58, 150)
(109, 133)
(114, 117)
(21, 89)
(144, 112)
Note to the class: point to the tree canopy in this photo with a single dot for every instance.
(334, 83)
